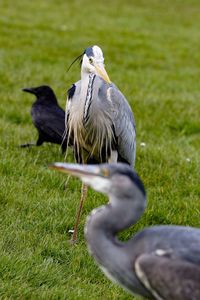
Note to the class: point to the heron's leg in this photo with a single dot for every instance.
(66, 182)
(84, 189)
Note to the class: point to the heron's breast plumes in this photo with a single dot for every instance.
(91, 129)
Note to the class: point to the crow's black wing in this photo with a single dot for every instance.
(50, 122)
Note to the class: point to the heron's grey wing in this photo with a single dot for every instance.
(169, 277)
(124, 124)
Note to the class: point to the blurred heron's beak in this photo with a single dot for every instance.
(102, 72)
(77, 169)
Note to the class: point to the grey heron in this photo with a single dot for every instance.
(99, 119)
(159, 262)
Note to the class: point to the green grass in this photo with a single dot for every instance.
(152, 53)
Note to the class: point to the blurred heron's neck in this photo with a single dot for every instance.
(106, 221)
(110, 254)
(125, 212)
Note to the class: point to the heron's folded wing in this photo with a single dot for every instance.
(169, 278)
(124, 124)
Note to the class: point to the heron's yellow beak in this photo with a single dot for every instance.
(102, 72)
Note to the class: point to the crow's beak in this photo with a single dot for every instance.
(29, 90)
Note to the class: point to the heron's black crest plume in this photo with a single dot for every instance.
(77, 58)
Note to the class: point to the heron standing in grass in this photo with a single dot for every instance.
(99, 119)
(159, 262)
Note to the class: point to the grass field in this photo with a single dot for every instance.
(152, 54)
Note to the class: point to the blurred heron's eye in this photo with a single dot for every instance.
(91, 60)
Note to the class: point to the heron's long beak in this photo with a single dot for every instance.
(29, 90)
(77, 169)
(101, 71)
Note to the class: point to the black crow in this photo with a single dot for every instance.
(48, 117)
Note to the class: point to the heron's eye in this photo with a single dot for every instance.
(91, 60)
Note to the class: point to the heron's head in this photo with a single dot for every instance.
(116, 179)
(93, 62)
(42, 92)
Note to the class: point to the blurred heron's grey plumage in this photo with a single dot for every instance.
(159, 262)
(170, 277)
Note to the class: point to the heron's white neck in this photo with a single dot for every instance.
(84, 86)
(85, 75)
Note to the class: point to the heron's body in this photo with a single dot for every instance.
(159, 262)
(99, 120)
(96, 129)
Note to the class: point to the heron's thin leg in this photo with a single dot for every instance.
(66, 182)
(84, 189)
